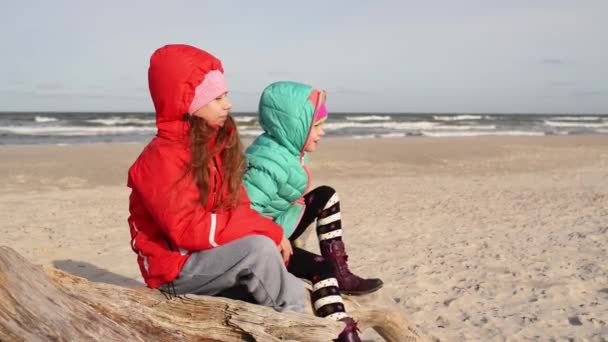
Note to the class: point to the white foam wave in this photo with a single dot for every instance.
(368, 118)
(393, 135)
(250, 132)
(444, 134)
(331, 126)
(407, 126)
(575, 118)
(575, 124)
(456, 117)
(244, 118)
(465, 128)
(75, 130)
(122, 121)
(44, 119)
(364, 136)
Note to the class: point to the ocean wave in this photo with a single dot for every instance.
(465, 128)
(74, 130)
(393, 135)
(368, 118)
(115, 120)
(244, 118)
(444, 134)
(576, 118)
(363, 136)
(456, 117)
(250, 133)
(44, 119)
(334, 126)
(575, 124)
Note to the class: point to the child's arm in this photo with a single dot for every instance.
(262, 188)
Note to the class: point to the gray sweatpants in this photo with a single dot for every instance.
(253, 262)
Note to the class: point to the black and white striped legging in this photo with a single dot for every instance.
(322, 205)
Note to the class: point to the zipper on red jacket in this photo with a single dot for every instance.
(214, 190)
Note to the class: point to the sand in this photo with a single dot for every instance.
(487, 238)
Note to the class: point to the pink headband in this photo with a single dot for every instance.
(213, 85)
(320, 115)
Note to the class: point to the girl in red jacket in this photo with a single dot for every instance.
(192, 227)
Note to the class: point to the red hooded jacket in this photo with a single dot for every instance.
(167, 220)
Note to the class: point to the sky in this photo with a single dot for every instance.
(467, 56)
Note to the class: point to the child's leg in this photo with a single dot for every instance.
(325, 297)
(329, 220)
(313, 202)
(325, 202)
(253, 262)
(321, 203)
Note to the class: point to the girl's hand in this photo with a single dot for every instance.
(285, 249)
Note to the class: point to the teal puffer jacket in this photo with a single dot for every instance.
(277, 176)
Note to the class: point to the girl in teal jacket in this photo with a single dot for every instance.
(277, 179)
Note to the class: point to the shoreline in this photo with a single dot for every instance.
(364, 138)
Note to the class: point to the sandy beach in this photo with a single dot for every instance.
(476, 239)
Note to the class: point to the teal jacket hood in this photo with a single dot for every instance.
(286, 112)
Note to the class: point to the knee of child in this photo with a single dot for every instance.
(261, 246)
(327, 189)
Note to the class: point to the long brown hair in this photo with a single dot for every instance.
(231, 154)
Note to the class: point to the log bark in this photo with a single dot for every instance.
(38, 304)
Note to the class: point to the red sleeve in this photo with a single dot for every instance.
(246, 221)
(172, 198)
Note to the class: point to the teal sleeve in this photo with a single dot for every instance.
(262, 189)
(290, 218)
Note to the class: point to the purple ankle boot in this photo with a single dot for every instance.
(350, 332)
(349, 283)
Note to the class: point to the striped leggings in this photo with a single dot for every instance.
(322, 205)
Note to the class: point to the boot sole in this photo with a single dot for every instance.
(360, 293)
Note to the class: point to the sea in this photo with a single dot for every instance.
(79, 128)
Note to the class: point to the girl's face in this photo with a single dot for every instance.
(314, 137)
(215, 113)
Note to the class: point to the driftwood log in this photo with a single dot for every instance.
(42, 304)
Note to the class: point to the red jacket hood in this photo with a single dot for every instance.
(175, 71)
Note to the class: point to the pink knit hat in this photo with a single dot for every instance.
(317, 99)
(213, 85)
(320, 115)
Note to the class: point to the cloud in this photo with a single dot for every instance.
(589, 93)
(50, 86)
(561, 84)
(554, 61)
(62, 95)
(126, 78)
(15, 83)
